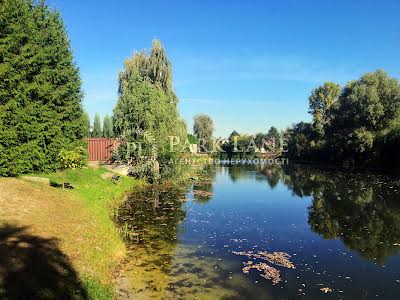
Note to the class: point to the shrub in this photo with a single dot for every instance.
(72, 159)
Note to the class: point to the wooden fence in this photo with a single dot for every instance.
(101, 149)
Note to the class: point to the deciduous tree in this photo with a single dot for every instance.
(203, 129)
(146, 111)
(322, 102)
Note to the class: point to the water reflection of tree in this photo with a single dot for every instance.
(150, 220)
(152, 213)
(360, 209)
(273, 174)
(241, 171)
(205, 185)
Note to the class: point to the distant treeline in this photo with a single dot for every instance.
(357, 125)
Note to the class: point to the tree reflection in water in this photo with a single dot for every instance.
(149, 219)
(362, 210)
(152, 213)
(203, 189)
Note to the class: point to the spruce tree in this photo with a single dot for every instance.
(108, 127)
(40, 89)
(97, 132)
(86, 122)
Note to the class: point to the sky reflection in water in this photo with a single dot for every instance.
(342, 231)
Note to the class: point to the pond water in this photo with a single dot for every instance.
(336, 236)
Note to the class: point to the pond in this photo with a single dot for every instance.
(255, 232)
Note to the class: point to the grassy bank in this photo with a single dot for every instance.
(100, 257)
(72, 230)
(77, 221)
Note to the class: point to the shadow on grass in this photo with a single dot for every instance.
(32, 267)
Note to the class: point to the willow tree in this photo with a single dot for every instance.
(40, 89)
(146, 111)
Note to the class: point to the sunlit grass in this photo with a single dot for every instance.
(101, 248)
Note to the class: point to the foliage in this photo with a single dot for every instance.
(322, 102)
(86, 122)
(301, 138)
(245, 146)
(40, 89)
(229, 147)
(388, 146)
(352, 127)
(239, 146)
(372, 102)
(203, 129)
(233, 135)
(260, 138)
(72, 159)
(97, 132)
(146, 113)
(191, 139)
(108, 129)
(368, 108)
(274, 135)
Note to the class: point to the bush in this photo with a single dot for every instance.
(72, 159)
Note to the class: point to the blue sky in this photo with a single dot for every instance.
(247, 64)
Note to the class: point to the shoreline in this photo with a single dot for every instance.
(79, 221)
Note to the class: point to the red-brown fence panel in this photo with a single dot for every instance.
(101, 149)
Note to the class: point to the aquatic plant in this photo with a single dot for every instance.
(276, 258)
(268, 272)
(202, 193)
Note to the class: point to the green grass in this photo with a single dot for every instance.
(102, 248)
(97, 290)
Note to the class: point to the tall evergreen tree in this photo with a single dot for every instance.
(86, 122)
(97, 132)
(40, 89)
(108, 130)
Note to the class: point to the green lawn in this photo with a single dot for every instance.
(106, 248)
